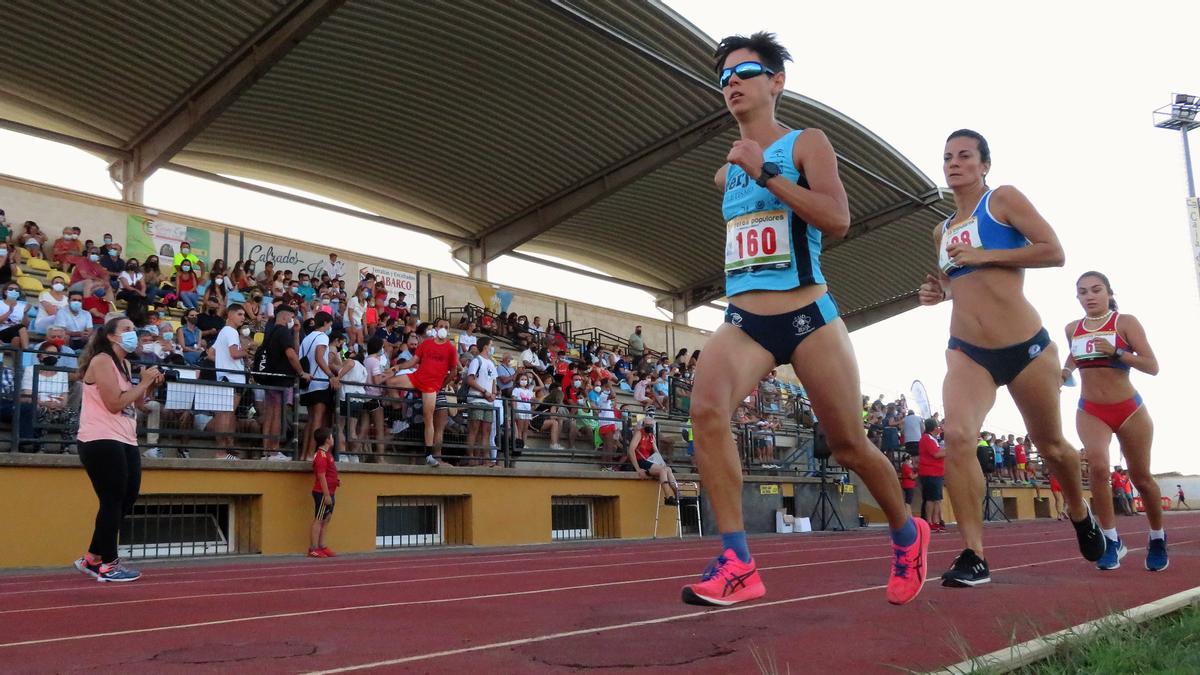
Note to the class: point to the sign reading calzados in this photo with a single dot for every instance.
(283, 257)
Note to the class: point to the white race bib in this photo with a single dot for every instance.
(1082, 348)
(759, 238)
(966, 232)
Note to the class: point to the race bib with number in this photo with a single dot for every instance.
(759, 238)
(966, 232)
(1082, 348)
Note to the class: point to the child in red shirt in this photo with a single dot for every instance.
(908, 482)
(325, 484)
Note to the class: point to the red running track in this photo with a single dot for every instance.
(608, 605)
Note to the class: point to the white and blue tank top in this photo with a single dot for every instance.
(767, 246)
(981, 230)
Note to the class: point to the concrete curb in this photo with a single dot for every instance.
(1014, 657)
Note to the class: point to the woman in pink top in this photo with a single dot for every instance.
(108, 440)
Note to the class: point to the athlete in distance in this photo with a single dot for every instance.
(984, 249)
(782, 194)
(1104, 346)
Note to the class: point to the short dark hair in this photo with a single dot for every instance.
(321, 435)
(284, 308)
(483, 343)
(322, 319)
(985, 152)
(930, 425)
(235, 307)
(374, 345)
(770, 52)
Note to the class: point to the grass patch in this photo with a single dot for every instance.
(1169, 644)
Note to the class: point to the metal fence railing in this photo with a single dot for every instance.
(409, 521)
(177, 526)
(583, 517)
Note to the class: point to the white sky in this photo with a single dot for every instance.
(1063, 91)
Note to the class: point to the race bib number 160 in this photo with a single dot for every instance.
(759, 238)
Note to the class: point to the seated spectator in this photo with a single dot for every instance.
(643, 391)
(211, 321)
(52, 393)
(133, 291)
(152, 276)
(506, 376)
(34, 248)
(187, 338)
(111, 260)
(304, 287)
(75, 322)
(66, 246)
(97, 305)
(214, 290)
(5, 232)
(186, 257)
(467, 339)
(9, 265)
(661, 391)
(87, 273)
(108, 241)
(14, 319)
(536, 330)
(29, 230)
(50, 302)
(649, 462)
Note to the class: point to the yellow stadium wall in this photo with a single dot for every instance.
(49, 518)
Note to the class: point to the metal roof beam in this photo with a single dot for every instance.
(106, 151)
(508, 234)
(884, 310)
(884, 216)
(172, 130)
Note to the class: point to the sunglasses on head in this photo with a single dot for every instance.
(744, 70)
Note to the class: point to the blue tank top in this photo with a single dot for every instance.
(767, 246)
(981, 230)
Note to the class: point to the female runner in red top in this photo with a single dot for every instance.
(436, 361)
(1104, 346)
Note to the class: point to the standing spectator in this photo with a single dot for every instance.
(325, 485)
(506, 376)
(356, 309)
(107, 440)
(891, 431)
(228, 355)
(931, 468)
(481, 381)
(318, 397)
(50, 303)
(436, 363)
(908, 481)
(637, 346)
(1022, 460)
(75, 321)
(14, 318)
(335, 268)
(912, 426)
(278, 366)
(1010, 458)
(1056, 493)
(523, 396)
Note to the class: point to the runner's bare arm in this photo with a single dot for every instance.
(936, 287)
(823, 204)
(1141, 356)
(1009, 206)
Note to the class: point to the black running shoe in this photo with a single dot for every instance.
(968, 570)
(1091, 537)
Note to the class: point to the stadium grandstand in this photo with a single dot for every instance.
(510, 148)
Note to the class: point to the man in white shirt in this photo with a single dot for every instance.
(912, 426)
(481, 385)
(76, 322)
(228, 356)
(335, 268)
(530, 360)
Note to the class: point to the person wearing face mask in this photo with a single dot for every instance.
(187, 337)
(216, 290)
(50, 407)
(110, 259)
(50, 302)
(644, 455)
(87, 273)
(356, 309)
(9, 264)
(481, 384)
(277, 364)
(523, 396)
(75, 321)
(436, 363)
(187, 285)
(229, 357)
(14, 318)
(185, 256)
(637, 346)
(66, 246)
(132, 289)
(152, 277)
(97, 305)
(107, 441)
(318, 397)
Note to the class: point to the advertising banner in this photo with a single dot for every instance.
(285, 257)
(394, 281)
(146, 236)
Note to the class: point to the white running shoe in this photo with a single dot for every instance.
(556, 446)
(277, 457)
(432, 461)
(153, 453)
(230, 456)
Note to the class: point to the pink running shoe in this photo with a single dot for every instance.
(909, 564)
(727, 581)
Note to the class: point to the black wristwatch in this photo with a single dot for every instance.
(769, 171)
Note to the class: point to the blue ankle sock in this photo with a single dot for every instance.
(906, 535)
(737, 542)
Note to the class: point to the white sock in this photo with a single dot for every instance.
(1158, 534)
(1112, 534)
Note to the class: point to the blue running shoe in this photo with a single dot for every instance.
(1113, 552)
(114, 572)
(1156, 555)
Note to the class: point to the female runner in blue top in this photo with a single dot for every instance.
(1104, 346)
(782, 193)
(983, 250)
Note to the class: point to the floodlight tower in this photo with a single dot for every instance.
(1181, 115)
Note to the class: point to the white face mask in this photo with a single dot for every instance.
(441, 333)
(58, 287)
(491, 350)
(245, 331)
(291, 324)
(524, 383)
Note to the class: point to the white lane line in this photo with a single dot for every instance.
(647, 622)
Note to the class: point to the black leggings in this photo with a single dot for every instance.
(116, 472)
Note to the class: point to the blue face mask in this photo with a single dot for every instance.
(99, 292)
(12, 295)
(94, 258)
(112, 252)
(76, 306)
(329, 330)
(129, 341)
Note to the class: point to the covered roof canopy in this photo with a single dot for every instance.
(585, 131)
